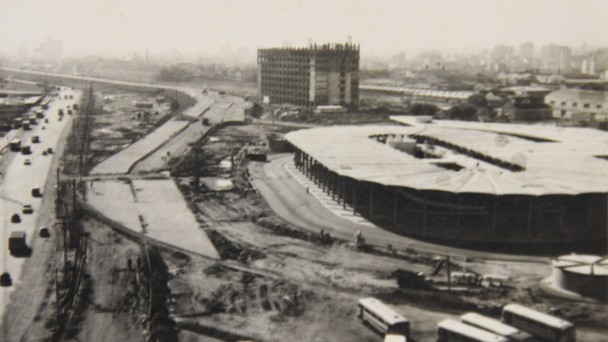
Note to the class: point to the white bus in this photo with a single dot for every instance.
(383, 318)
(496, 327)
(539, 324)
(451, 330)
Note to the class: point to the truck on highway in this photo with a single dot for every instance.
(17, 123)
(17, 244)
(60, 111)
(35, 139)
(32, 120)
(39, 113)
(26, 125)
(15, 145)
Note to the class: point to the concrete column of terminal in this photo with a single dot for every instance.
(343, 195)
(493, 224)
(395, 199)
(354, 197)
(371, 201)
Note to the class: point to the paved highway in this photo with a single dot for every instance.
(18, 182)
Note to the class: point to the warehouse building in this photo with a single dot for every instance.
(491, 186)
(317, 75)
(578, 106)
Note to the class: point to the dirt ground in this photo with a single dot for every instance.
(119, 123)
(111, 309)
(274, 282)
(277, 282)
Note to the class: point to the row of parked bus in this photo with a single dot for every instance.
(518, 324)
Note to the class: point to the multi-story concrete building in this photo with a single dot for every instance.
(317, 75)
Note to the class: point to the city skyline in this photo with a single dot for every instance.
(213, 27)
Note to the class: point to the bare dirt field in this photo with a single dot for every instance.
(119, 123)
(278, 282)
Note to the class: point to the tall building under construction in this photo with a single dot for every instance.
(318, 75)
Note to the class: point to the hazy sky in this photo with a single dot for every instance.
(381, 27)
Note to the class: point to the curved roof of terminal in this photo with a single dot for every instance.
(462, 95)
(574, 162)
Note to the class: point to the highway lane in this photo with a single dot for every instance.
(173, 136)
(18, 181)
(223, 108)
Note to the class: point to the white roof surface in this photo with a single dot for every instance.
(489, 324)
(539, 316)
(583, 264)
(471, 331)
(566, 166)
(382, 310)
(448, 94)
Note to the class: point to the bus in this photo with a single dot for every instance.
(496, 327)
(538, 324)
(451, 330)
(383, 318)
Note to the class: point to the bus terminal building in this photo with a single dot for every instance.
(318, 75)
(489, 186)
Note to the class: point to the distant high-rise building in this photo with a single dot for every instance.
(317, 75)
(588, 66)
(502, 53)
(526, 53)
(49, 49)
(556, 58)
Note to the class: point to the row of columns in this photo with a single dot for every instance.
(375, 201)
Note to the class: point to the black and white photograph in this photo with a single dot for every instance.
(304, 170)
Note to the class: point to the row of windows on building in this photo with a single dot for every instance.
(575, 104)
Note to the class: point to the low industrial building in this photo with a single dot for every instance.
(494, 186)
(578, 106)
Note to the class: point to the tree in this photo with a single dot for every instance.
(463, 111)
(174, 74)
(423, 109)
(478, 100)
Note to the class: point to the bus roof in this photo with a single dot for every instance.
(394, 338)
(471, 331)
(381, 309)
(490, 324)
(538, 316)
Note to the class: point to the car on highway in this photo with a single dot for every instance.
(35, 139)
(36, 192)
(6, 280)
(44, 232)
(27, 162)
(15, 218)
(27, 209)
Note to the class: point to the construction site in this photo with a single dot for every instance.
(176, 215)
